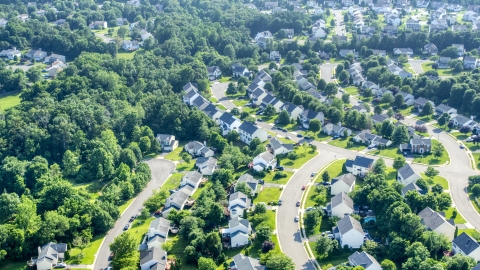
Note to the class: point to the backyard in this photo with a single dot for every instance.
(9, 101)
(268, 194)
(89, 251)
(270, 177)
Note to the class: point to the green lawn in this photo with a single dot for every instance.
(459, 136)
(334, 259)
(391, 152)
(175, 155)
(443, 71)
(9, 101)
(390, 175)
(473, 200)
(352, 90)
(297, 163)
(476, 157)
(427, 66)
(432, 159)
(270, 178)
(310, 198)
(472, 232)
(406, 111)
(268, 194)
(186, 167)
(458, 219)
(342, 143)
(14, 265)
(425, 118)
(178, 250)
(126, 55)
(94, 188)
(197, 193)
(472, 146)
(213, 99)
(225, 79)
(173, 182)
(221, 107)
(89, 251)
(408, 68)
(335, 169)
(240, 102)
(139, 228)
(436, 180)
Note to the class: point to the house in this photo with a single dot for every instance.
(49, 255)
(242, 262)
(393, 19)
(55, 68)
(442, 108)
(470, 62)
(437, 222)
(214, 73)
(359, 166)
(121, 21)
(360, 108)
(430, 49)
(206, 166)
(422, 145)
(153, 258)
(177, 200)
(275, 56)
(239, 71)
(459, 28)
(318, 32)
(238, 202)
(228, 123)
(251, 182)
(308, 115)
(318, 11)
(340, 205)
(466, 245)
(289, 33)
(423, 3)
(293, 110)
(437, 5)
(379, 52)
(198, 149)
(476, 26)
(262, 37)
(130, 45)
(38, 55)
(436, 27)
(23, 17)
(414, 25)
(304, 84)
(367, 138)
(396, 70)
(200, 103)
(144, 35)
(461, 121)
(264, 76)
(470, 16)
(265, 160)
(379, 118)
(54, 57)
(239, 230)
(193, 180)
(390, 30)
(365, 260)
(454, 7)
(249, 131)
(59, 22)
(460, 49)
(344, 52)
(3, 22)
(271, 5)
(404, 51)
(158, 232)
(406, 175)
(349, 232)
(368, 84)
(336, 130)
(258, 95)
(11, 53)
(344, 183)
(421, 102)
(213, 112)
(442, 62)
(167, 142)
(408, 99)
(278, 148)
(412, 186)
(98, 25)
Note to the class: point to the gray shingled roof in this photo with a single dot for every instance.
(342, 198)
(154, 253)
(243, 262)
(444, 107)
(249, 180)
(194, 177)
(363, 162)
(238, 195)
(160, 224)
(406, 171)
(348, 223)
(466, 243)
(379, 117)
(234, 222)
(348, 179)
(179, 197)
(228, 118)
(431, 219)
(477, 267)
(248, 127)
(426, 141)
(362, 259)
(412, 186)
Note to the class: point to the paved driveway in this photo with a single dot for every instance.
(218, 90)
(417, 65)
(326, 71)
(161, 170)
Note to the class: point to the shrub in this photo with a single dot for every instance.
(292, 155)
(280, 174)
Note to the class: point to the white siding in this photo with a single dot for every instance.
(352, 238)
(340, 187)
(341, 210)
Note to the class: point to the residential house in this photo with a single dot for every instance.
(304, 84)
(167, 142)
(442, 108)
(121, 21)
(262, 38)
(54, 57)
(264, 76)
(470, 16)
(275, 56)
(318, 11)
(198, 149)
(318, 32)
(55, 68)
(200, 103)
(474, 8)
(49, 255)
(430, 49)
(340, 205)
(192, 180)
(359, 166)
(242, 262)
(454, 7)
(437, 5)
(414, 25)
(393, 19)
(258, 95)
(214, 73)
(3, 22)
(461, 121)
(421, 102)
(23, 17)
(470, 62)
(466, 245)
(436, 27)
(250, 182)
(365, 260)
(408, 99)
(420, 146)
(177, 200)
(344, 183)
(206, 166)
(476, 267)
(437, 222)
(153, 258)
(368, 84)
(278, 148)
(11, 53)
(130, 45)
(228, 122)
(262, 161)
(460, 49)
(238, 202)
(158, 232)
(379, 118)
(308, 115)
(289, 33)
(379, 52)
(406, 175)
(213, 112)
(239, 230)
(330, 4)
(412, 186)
(476, 26)
(396, 70)
(442, 62)
(344, 52)
(249, 131)
(98, 25)
(390, 30)
(144, 35)
(349, 232)
(250, 6)
(38, 55)
(404, 51)
(271, 5)
(293, 110)
(239, 71)
(59, 22)
(367, 138)
(336, 130)
(459, 28)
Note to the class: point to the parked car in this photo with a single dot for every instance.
(60, 265)
(299, 135)
(280, 202)
(261, 182)
(310, 209)
(287, 137)
(296, 218)
(306, 138)
(304, 187)
(325, 183)
(313, 174)
(462, 146)
(111, 256)
(280, 168)
(126, 227)
(269, 136)
(298, 203)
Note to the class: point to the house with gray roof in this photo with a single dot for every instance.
(198, 149)
(200, 102)
(404, 51)
(49, 255)
(251, 183)
(228, 122)
(359, 166)
(430, 49)
(276, 147)
(421, 145)
(249, 131)
(406, 175)
(421, 102)
(238, 202)
(158, 232)
(379, 118)
(466, 245)
(442, 108)
(344, 183)
(336, 130)
(360, 108)
(177, 200)
(437, 222)
(308, 115)
(153, 258)
(349, 232)
(192, 179)
(365, 260)
(293, 110)
(340, 205)
(214, 72)
(242, 262)
(206, 166)
(408, 99)
(167, 142)
(239, 230)
(461, 121)
(264, 161)
(213, 112)
(412, 186)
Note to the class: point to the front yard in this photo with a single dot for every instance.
(391, 152)
(270, 178)
(268, 194)
(431, 159)
(476, 158)
(301, 160)
(436, 180)
(343, 143)
(352, 90)
(332, 260)
(335, 169)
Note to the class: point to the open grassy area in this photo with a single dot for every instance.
(297, 163)
(14, 265)
(459, 136)
(472, 146)
(335, 169)
(476, 158)
(458, 218)
(270, 178)
(173, 182)
(352, 90)
(89, 251)
(94, 188)
(334, 259)
(183, 166)
(436, 180)
(443, 71)
(175, 155)
(406, 111)
(431, 159)
(391, 152)
(126, 55)
(268, 194)
(9, 101)
(310, 198)
(139, 228)
(343, 143)
(197, 193)
(473, 200)
(240, 102)
(425, 118)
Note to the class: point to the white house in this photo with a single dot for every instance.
(50, 255)
(275, 56)
(349, 232)
(465, 244)
(158, 232)
(212, 112)
(437, 222)
(460, 49)
(470, 62)
(176, 200)
(265, 160)
(406, 175)
(98, 24)
(344, 183)
(365, 260)
(11, 53)
(336, 130)
(3, 22)
(197, 149)
(293, 110)
(192, 179)
(251, 182)
(277, 147)
(318, 32)
(238, 202)
(238, 231)
(340, 205)
(153, 258)
(130, 45)
(38, 55)
(442, 108)
(191, 93)
(309, 115)
(408, 99)
(214, 73)
(461, 121)
(249, 131)
(167, 142)
(228, 122)
(359, 166)
(200, 103)
(206, 166)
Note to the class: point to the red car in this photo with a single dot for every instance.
(304, 187)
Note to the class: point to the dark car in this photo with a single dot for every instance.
(326, 183)
(306, 138)
(299, 135)
(280, 202)
(261, 182)
(298, 203)
(126, 227)
(280, 168)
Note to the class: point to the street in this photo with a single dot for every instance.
(417, 65)
(339, 24)
(161, 170)
(218, 90)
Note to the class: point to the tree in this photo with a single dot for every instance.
(326, 176)
(427, 109)
(9, 203)
(264, 232)
(233, 136)
(437, 189)
(416, 253)
(267, 246)
(269, 110)
(387, 98)
(388, 265)
(335, 115)
(34, 74)
(377, 109)
(431, 172)
(400, 135)
(398, 101)
(475, 190)
(438, 150)
(206, 264)
(229, 51)
(213, 244)
(399, 162)
(331, 89)
(344, 75)
(231, 89)
(186, 157)
(315, 126)
(283, 118)
(125, 250)
(321, 85)
(325, 246)
(311, 219)
(379, 166)
(346, 98)
(279, 261)
(387, 128)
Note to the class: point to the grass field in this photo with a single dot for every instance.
(391, 152)
(431, 159)
(334, 259)
(9, 101)
(335, 169)
(476, 158)
(270, 178)
(425, 118)
(436, 180)
(89, 251)
(197, 193)
(352, 90)
(342, 143)
(442, 71)
(458, 219)
(268, 194)
(459, 136)
(173, 182)
(297, 163)
(94, 188)
(472, 146)
(127, 55)
(14, 265)
(178, 250)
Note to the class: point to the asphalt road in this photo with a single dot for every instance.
(417, 65)
(326, 71)
(218, 90)
(339, 24)
(161, 170)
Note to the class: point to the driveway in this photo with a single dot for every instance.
(218, 90)
(326, 71)
(105, 38)
(417, 65)
(161, 170)
(339, 24)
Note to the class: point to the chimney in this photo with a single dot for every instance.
(14, 48)
(39, 250)
(205, 143)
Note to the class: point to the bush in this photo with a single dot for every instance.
(280, 174)
(474, 179)
(260, 173)
(292, 155)
(476, 190)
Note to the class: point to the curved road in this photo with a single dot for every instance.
(456, 172)
(161, 170)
